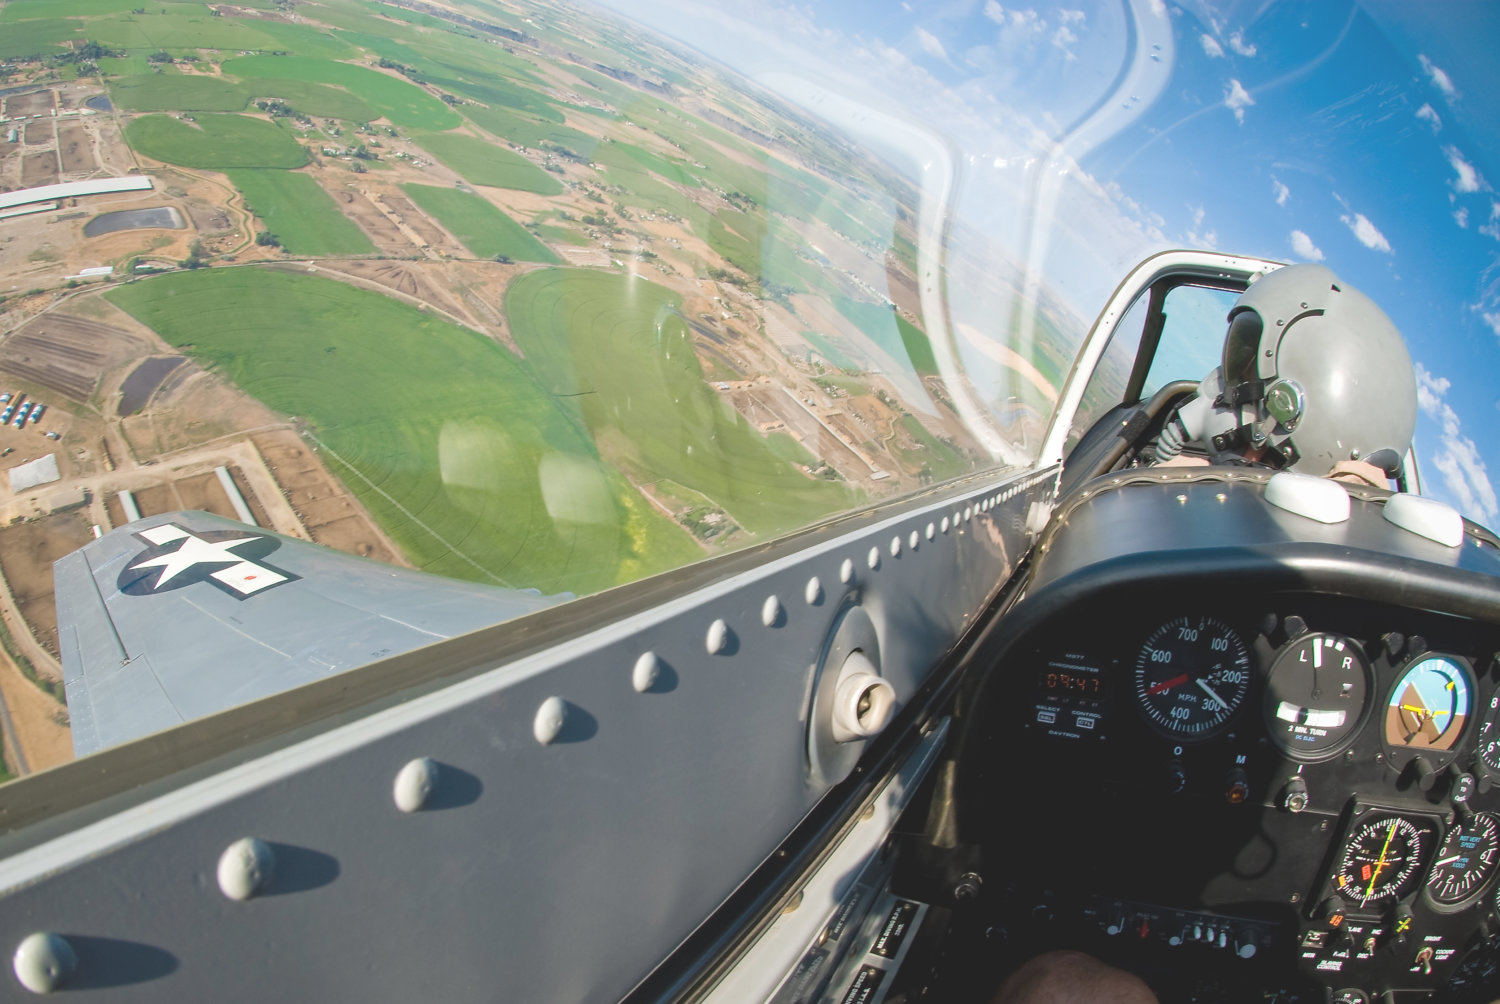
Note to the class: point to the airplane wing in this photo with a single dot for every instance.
(177, 616)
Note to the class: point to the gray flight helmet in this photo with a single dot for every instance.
(1322, 369)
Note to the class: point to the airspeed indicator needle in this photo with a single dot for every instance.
(1209, 691)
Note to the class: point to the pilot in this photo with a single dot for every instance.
(1314, 378)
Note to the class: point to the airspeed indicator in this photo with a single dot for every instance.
(1191, 676)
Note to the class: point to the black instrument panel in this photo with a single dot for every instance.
(1289, 790)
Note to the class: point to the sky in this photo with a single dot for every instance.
(1077, 138)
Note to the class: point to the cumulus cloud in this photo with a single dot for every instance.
(1282, 192)
(1063, 39)
(1468, 179)
(930, 44)
(1197, 236)
(1457, 459)
(1461, 217)
(1440, 79)
(1071, 16)
(1240, 46)
(1028, 20)
(1236, 99)
(1492, 228)
(1304, 248)
(1366, 232)
(1211, 46)
(1426, 114)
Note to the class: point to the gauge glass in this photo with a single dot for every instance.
(1466, 861)
(1489, 735)
(1191, 676)
(1381, 860)
(1429, 705)
(1315, 695)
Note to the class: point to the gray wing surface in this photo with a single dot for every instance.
(177, 616)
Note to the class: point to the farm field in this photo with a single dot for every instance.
(482, 163)
(161, 92)
(459, 453)
(304, 217)
(217, 142)
(311, 99)
(403, 103)
(891, 332)
(523, 131)
(615, 348)
(482, 228)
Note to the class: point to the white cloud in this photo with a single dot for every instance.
(1240, 46)
(994, 11)
(1211, 46)
(1282, 192)
(1236, 99)
(1304, 248)
(1366, 233)
(1492, 228)
(1063, 39)
(1461, 217)
(1426, 114)
(1205, 239)
(1493, 320)
(1457, 458)
(1440, 79)
(1071, 16)
(1430, 389)
(930, 44)
(1468, 179)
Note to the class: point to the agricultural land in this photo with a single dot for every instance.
(505, 291)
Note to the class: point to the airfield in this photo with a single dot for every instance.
(497, 291)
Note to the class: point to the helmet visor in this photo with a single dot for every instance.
(1240, 346)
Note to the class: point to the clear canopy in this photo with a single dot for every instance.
(553, 297)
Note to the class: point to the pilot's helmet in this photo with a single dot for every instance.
(1322, 369)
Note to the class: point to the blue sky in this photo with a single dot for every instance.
(1359, 135)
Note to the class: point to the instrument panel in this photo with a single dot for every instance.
(1310, 780)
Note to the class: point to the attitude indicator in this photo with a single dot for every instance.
(1429, 705)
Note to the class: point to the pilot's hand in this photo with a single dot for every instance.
(1174, 436)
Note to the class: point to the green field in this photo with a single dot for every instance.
(613, 348)
(562, 235)
(312, 99)
(463, 458)
(37, 38)
(300, 213)
(183, 29)
(404, 104)
(216, 142)
(936, 458)
(523, 131)
(891, 332)
(162, 92)
(482, 228)
(482, 163)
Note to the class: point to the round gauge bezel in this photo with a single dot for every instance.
(1397, 755)
(1145, 671)
(1489, 732)
(1483, 886)
(1414, 878)
(1349, 730)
